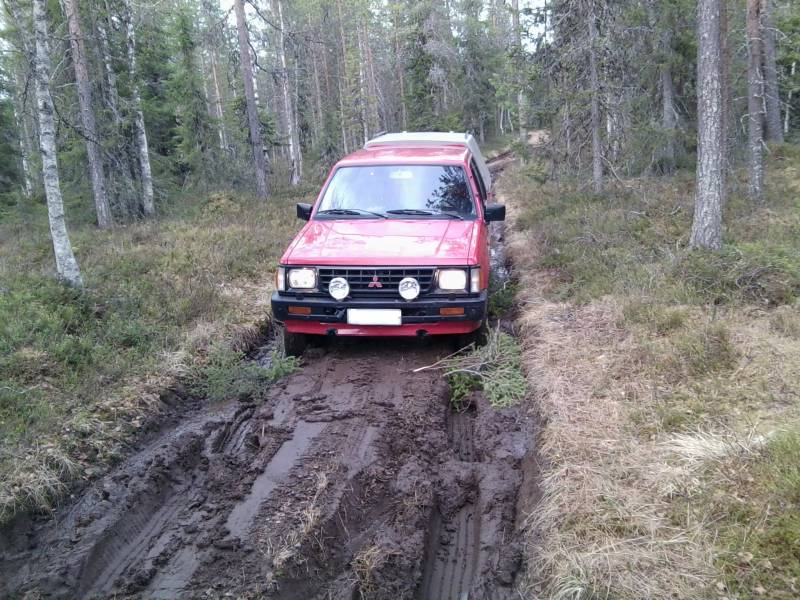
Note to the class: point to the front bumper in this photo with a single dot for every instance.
(420, 316)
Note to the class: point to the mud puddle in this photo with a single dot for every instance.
(355, 478)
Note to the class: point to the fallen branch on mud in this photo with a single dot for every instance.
(495, 367)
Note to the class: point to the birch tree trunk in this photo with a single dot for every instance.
(788, 111)
(707, 222)
(148, 203)
(398, 62)
(259, 163)
(93, 149)
(363, 95)
(27, 133)
(22, 128)
(773, 103)
(521, 101)
(66, 265)
(289, 116)
(111, 77)
(594, 80)
(755, 102)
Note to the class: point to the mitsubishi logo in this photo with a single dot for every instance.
(375, 283)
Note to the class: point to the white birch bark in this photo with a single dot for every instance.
(111, 76)
(594, 81)
(707, 222)
(788, 110)
(755, 102)
(521, 100)
(66, 265)
(289, 116)
(148, 203)
(259, 162)
(771, 92)
(22, 128)
(93, 150)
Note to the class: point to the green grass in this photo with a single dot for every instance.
(762, 527)
(79, 369)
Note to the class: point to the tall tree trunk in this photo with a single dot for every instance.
(111, 77)
(27, 131)
(66, 265)
(707, 223)
(317, 105)
(221, 129)
(521, 100)
(25, 162)
(344, 82)
(788, 111)
(93, 149)
(669, 115)
(259, 163)
(289, 116)
(669, 120)
(399, 68)
(725, 131)
(362, 88)
(594, 81)
(773, 104)
(148, 203)
(755, 102)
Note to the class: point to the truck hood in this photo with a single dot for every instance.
(384, 242)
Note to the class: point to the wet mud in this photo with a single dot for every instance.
(355, 478)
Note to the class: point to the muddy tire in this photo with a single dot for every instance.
(294, 344)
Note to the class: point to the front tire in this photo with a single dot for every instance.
(294, 344)
(477, 338)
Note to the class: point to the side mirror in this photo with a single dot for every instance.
(494, 212)
(304, 211)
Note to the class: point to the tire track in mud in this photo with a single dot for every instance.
(353, 479)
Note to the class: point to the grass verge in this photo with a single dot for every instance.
(172, 299)
(667, 382)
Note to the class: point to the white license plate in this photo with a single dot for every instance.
(374, 316)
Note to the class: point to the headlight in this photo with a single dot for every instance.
(338, 288)
(475, 280)
(408, 288)
(280, 279)
(452, 279)
(302, 279)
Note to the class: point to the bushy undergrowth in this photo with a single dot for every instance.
(157, 295)
(693, 346)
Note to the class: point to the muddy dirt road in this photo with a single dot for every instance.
(354, 479)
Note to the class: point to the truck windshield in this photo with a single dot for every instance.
(392, 191)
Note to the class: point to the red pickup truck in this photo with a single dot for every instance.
(397, 244)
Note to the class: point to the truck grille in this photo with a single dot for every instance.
(376, 281)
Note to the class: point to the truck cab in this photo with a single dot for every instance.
(396, 244)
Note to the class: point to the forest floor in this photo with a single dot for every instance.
(363, 473)
(667, 384)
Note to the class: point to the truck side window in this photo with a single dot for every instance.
(477, 175)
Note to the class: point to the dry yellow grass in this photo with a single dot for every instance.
(633, 443)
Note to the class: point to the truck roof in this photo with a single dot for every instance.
(422, 141)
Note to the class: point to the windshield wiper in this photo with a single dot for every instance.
(421, 212)
(350, 211)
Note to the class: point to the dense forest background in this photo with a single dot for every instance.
(157, 99)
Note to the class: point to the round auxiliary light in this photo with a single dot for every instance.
(338, 288)
(408, 288)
